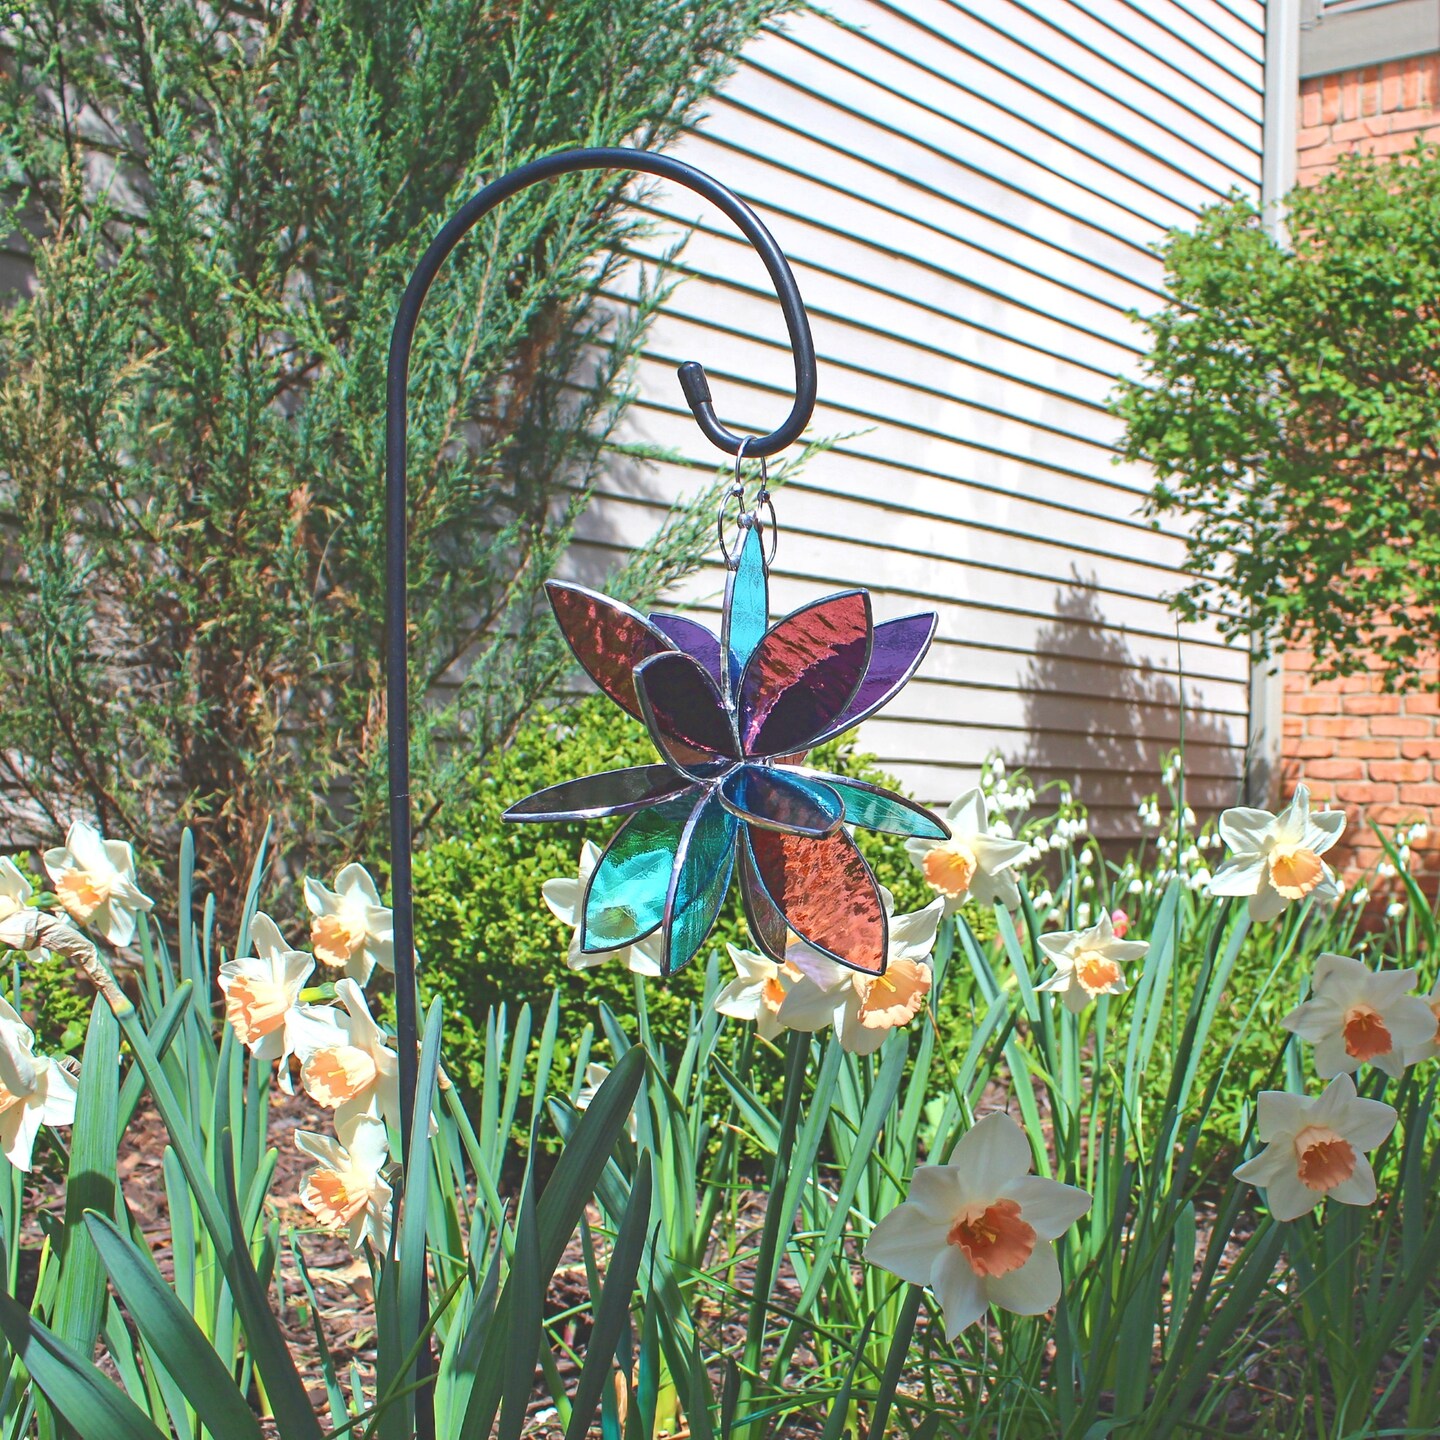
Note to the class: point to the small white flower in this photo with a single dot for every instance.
(1355, 1015)
(1315, 1149)
(349, 1190)
(352, 929)
(974, 863)
(758, 993)
(1386, 871)
(865, 1008)
(1360, 895)
(565, 896)
(94, 880)
(1089, 963)
(980, 1230)
(1136, 886)
(1276, 858)
(35, 1090)
(1395, 909)
(262, 1001)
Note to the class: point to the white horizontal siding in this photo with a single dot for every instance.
(969, 191)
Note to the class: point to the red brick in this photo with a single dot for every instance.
(1396, 814)
(1410, 726)
(1427, 703)
(1392, 88)
(1334, 770)
(1372, 705)
(1428, 749)
(1368, 749)
(1367, 792)
(1346, 726)
(1371, 128)
(1293, 725)
(1314, 705)
(1405, 772)
(1330, 99)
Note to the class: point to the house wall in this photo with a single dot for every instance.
(1377, 755)
(968, 192)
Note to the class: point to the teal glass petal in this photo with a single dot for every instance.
(872, 808)
(625, 899)
(702, 876)
(747, 602)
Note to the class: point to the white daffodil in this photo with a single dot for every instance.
(980, 1230)
(1355, 1014)
(34, 1090)
(262, 1001)
(349, 1190)
(356, 1073)
(759, 992)
(1089, 963)
(864, 1008)
(595, 1077)
(1428, 1048)
(352, 929)
(94, 880)
(564, 897)
(972, 864)
(1315, 1149)
(15, 889)
(1275, 859)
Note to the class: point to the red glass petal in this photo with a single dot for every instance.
(680, 704)
(826, 893)
(804, 673)
(609, 639)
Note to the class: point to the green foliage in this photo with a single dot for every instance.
(482, 928)
(1290, 403)
(222, 204)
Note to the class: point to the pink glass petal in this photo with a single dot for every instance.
(895, 654)
(609, 639)
(681, 705)
(803, 674)
(767, 925)
(826, 893)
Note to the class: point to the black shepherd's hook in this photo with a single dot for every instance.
(697, 395)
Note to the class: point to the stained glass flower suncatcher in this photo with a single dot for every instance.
(733, 717)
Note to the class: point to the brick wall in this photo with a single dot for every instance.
(1376, 755)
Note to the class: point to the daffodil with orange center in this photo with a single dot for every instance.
(349, 1191)
(1316, 1149)
(1357, 1016)
(972, 864)
(352, 930)
(864, 1009)
(980, 1230)
(94, 880)
(1088, 963)
(262, 1000)
(35, 1090)
(356, 1073)
(1275, 860)
(758, 992)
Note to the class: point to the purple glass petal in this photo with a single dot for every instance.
(592, 797)
(680, 703)
(803, 674)
(609, 639)
(826, 893)
(776, 800)
(898, 648)
(694, 639)
(767, 925)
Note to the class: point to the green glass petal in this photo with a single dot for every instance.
(625, 900)
(747, 601)
(707, 856)
(872, 808)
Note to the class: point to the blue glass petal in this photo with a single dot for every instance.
(700, 880)
(747, 602)
(625, 899)
(873, 808)
(781, 800)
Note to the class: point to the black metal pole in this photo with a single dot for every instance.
(397, 687)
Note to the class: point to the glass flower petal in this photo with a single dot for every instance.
(747, 600)
(896, 651)
(826, 893)
(767, 925)
(874, 808)
(699, 881)
(779, 800)
(803, 673)
(592, 797)
(625, 899)
(609, 639)
(680, 703)
(695, 639)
